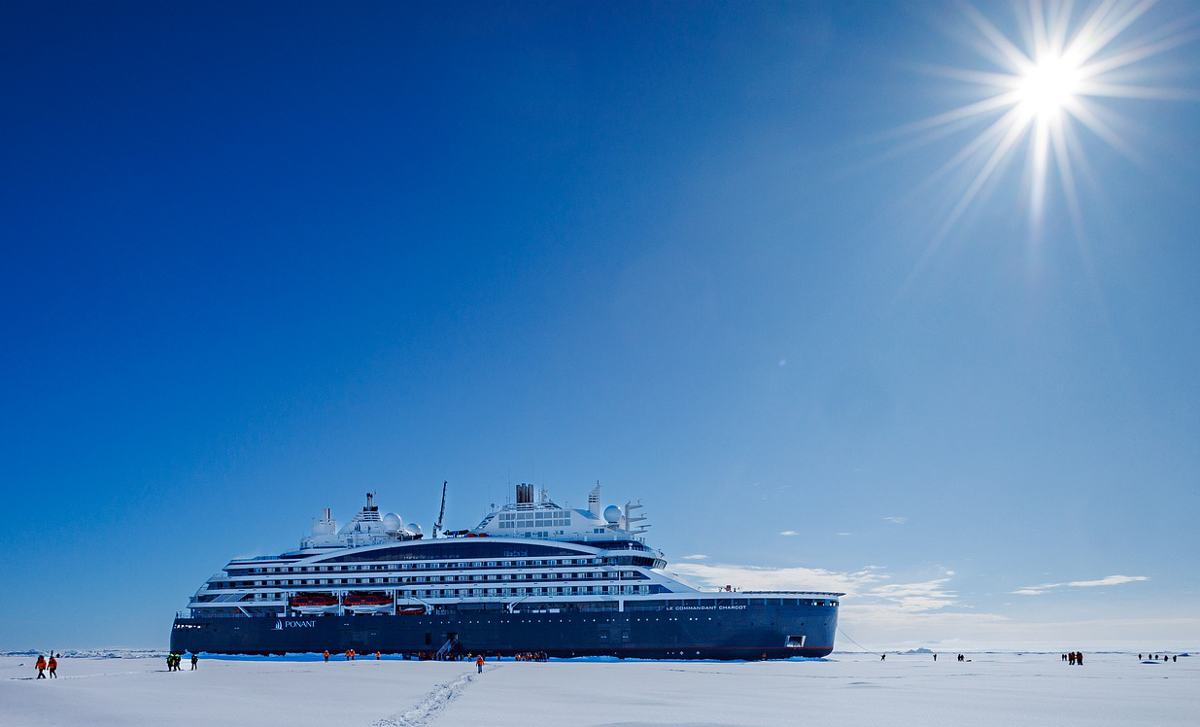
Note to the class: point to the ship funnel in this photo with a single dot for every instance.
(326, 525)
(524, 494)
(594, 500)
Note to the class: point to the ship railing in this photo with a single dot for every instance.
(792, 593)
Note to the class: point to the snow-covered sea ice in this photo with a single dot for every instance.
(851, 689)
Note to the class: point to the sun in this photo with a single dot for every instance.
(1048, 87)
(1045, 96)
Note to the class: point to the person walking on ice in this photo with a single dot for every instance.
(52, 667)
(195, 660)
(479, 664)
(41, 667)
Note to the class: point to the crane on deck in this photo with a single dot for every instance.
(441, 513)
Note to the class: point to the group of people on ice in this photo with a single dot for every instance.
(174, 661)
(1073, 658)
(43, 665)
(351, 655)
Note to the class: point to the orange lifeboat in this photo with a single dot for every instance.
(367, 602)
(314, 603)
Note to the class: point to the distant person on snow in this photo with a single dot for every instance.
(479, 665)
(53, 666)
(327, 655)
(41, 667)
(195, 660)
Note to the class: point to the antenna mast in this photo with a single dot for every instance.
(441, 513)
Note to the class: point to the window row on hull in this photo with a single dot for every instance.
(213, 586)
(398, 565)
(553, 606)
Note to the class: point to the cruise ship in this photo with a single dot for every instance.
(531, 577)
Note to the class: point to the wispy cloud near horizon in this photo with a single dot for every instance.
(896, 519)
(1105, 581)
(869, 584)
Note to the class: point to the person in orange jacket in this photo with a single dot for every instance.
(327, 655)
(479, 664)
(41, 667)
(378, 656)
(52, 666)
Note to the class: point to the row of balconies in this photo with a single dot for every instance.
(243, 582)
(398, 565)
(272, 599)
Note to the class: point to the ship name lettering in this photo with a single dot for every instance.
(299, 624)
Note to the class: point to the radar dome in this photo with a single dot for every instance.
(612, 514)
(392, 523)
(414, 529)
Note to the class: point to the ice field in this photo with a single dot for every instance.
(846, 689)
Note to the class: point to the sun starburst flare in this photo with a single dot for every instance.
(1047, 88)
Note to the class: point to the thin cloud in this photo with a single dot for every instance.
(897, 519)
(869, 585)
(1105, 581)
(696, 556)
(881, 613)
(789, 532)
(916, 597)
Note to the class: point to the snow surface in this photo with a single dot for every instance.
(846, 689)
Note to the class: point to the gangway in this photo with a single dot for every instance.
(447, 647)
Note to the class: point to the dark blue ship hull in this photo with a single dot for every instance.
(754, 630)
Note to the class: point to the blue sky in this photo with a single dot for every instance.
(261, 258)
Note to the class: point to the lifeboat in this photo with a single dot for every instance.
(315, 603)
(367, 603)
(411, 611)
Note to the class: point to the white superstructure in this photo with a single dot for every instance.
(529, 555)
